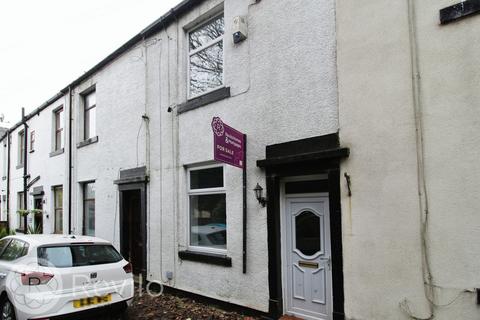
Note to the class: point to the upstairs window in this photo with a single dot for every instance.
(207, 202)
(4, 172)
(32, 141)
(59, 121)
(89, 117)
(21, 148)
(206, 57)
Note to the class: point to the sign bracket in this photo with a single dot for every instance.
(230, 147)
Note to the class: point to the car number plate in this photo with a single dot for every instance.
(85, 302)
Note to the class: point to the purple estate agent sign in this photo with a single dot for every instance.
(228, 144)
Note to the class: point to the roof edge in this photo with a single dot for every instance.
(159, 24)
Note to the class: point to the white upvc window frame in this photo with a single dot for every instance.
(55, 192)
(58, 128)
(20, 206)
(190, 53)
(206, 191)
(4, 161)
(88, 109)
(21, 148)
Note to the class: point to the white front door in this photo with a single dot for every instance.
(308, 273)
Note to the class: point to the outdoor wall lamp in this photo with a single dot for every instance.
(258, 194)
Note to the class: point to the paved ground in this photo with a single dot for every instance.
(172, 307)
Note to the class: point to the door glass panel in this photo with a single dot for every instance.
(307, 233)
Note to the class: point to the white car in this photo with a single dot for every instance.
(62, 277)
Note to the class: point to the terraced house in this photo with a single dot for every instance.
(357, 198)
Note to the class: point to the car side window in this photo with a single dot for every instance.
(15, 250)
(3, 244)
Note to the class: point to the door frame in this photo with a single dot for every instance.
(143, 218)
(38, 197)
(283, 233)
(274, 176)
(309, 156)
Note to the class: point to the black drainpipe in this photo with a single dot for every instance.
(70, 160)
(25, 171)
(8, 180)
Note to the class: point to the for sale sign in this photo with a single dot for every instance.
(228, 144)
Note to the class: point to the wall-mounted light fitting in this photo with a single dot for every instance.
(259, 195)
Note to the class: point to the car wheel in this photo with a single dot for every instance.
(7, 312)
(124, 315)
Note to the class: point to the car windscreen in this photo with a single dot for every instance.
(77, 255)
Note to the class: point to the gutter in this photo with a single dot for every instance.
(25, 171)
(158, 25)
(8, 180)
(70, 119)
(162, 23)
(36, 111)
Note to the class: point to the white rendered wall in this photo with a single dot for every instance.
(450, 78)
(3, 177)
(16, 179)
(382, 238)
(283, 88)
(51, 169)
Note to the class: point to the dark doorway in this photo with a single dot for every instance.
(133, 238)
(38, 216)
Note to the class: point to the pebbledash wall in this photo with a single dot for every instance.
(282, 88)
(135, 129)
(398, 87)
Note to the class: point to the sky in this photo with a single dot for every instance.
(46, 44)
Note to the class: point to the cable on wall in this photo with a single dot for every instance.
(255, 2)
(421, 178)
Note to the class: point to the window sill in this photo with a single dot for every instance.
(87, 142)
(57, 152)
(201, 101)
(19, 166)
(210, 258)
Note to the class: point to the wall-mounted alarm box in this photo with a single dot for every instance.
(240, 29)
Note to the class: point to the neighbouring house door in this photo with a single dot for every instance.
(308, 271)
(133, 233)
(38, 217)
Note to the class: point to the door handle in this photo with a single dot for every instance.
(3, 275)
